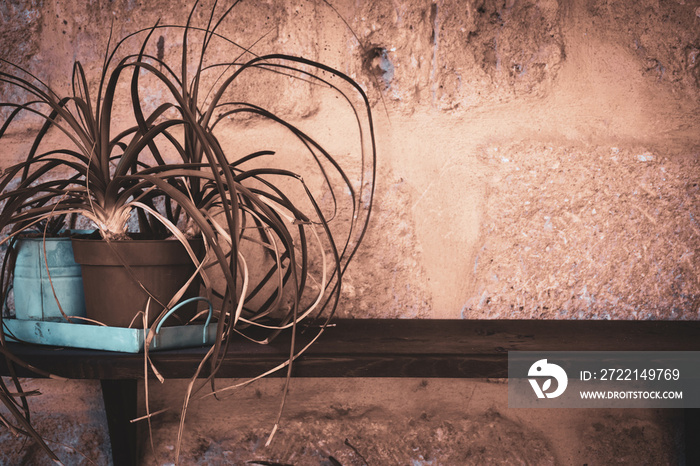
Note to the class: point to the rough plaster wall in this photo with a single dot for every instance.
(452, 83)
(411, 422)
(70, 418)
(594, 97)
(357, 422)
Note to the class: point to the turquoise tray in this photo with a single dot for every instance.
(125, 340)
(99, 337)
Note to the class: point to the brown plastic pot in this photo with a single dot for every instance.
(114, 296)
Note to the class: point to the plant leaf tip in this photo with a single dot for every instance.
(272, 434)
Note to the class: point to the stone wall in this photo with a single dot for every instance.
(536, 158)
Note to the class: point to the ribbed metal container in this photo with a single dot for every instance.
(34, 296)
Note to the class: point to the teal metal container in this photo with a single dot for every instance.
(34, 298)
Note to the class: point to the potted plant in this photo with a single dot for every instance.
(166, 173)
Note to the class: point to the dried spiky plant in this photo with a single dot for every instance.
(237, 203)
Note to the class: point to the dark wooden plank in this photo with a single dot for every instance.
(386, 348)
(120, 399)
(692, 435)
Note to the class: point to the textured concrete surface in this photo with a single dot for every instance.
(355, 422)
